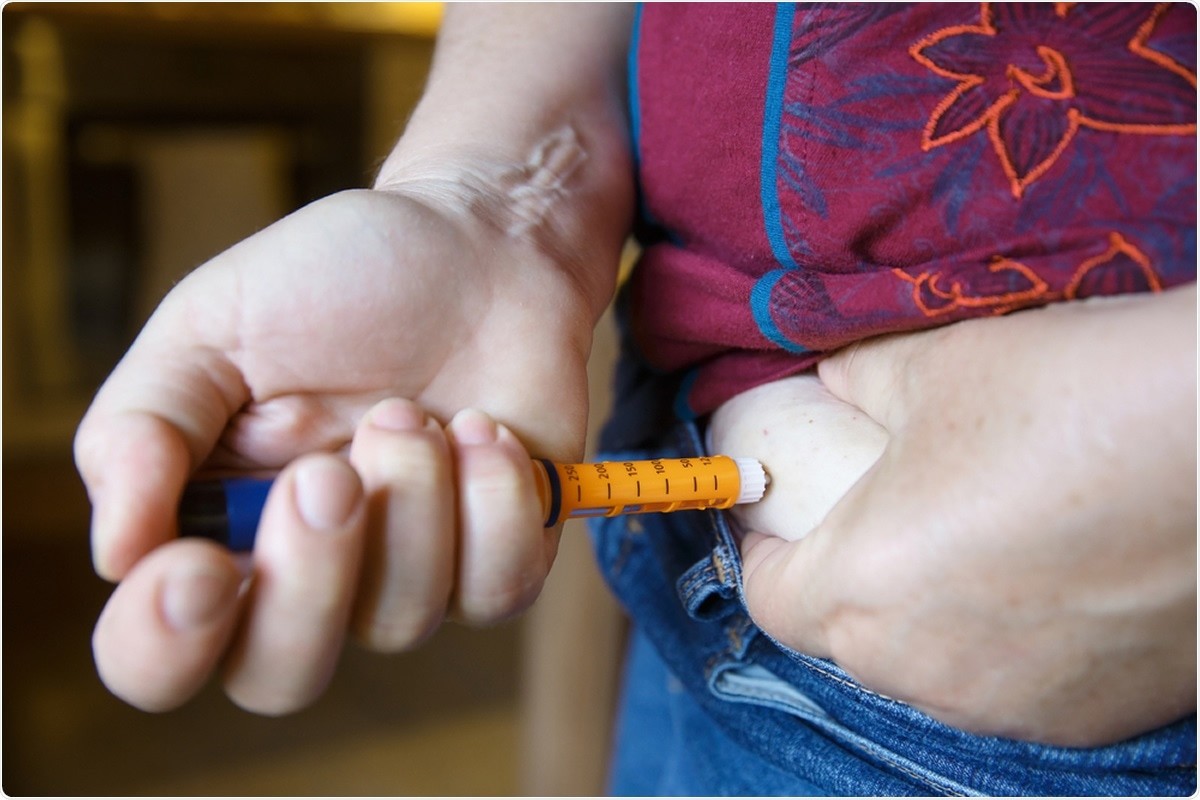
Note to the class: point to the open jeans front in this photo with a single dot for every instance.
(714, 706)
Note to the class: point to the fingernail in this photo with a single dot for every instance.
(101, 560)
(196, 596)
(108, 519)
(470, 426)
(327, 493)
(396, 414)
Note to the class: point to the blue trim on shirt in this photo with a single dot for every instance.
(760, 308)
(785, 16)
(635, 112)
(635, 104)
(760, 295)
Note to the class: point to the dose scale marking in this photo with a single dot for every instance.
(228, 509)
(610, 488)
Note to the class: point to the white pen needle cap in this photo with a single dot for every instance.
(753, 480)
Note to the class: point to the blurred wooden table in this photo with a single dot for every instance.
(110, 101)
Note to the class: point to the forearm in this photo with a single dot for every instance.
(1166, 325)
(523, 122)
(1135, 390)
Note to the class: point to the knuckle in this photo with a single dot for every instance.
(398, 632)
(490, 607)
(415, 457)
(493, 475)
(274, 703)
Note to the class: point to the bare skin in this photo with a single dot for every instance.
(967, 520)
(994, 521)
(386, 350)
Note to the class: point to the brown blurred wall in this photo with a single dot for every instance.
(139, 140)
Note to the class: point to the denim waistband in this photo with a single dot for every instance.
(679, 577)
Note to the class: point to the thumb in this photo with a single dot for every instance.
(803, 592)
(154, 420)
(783, 587)
(874, 375)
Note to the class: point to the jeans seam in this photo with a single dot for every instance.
(835, 729)
(858, 687)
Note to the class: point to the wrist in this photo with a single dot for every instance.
(523, 126)
(567, 198)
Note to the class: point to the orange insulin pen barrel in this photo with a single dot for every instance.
(227, 510)
(609, 488)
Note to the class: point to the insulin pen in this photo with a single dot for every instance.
(228, 509)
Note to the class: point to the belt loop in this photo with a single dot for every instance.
(708, 589)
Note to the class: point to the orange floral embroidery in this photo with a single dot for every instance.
(1016, 81)
(1124, 266)
(934, 299)
(1120, 268)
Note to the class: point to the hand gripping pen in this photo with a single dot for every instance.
(228, 509)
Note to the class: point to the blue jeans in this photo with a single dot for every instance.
(712, 706)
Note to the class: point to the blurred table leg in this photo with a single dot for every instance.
(572, 646)
(573, 642)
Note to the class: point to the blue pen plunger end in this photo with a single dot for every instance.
(226, 510)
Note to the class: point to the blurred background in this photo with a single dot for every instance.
(139, 140)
